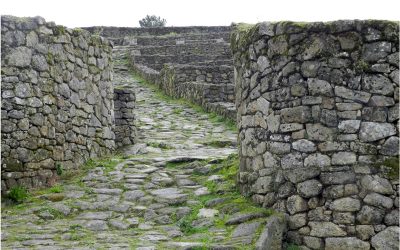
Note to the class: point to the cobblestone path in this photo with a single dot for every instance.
(174, 189)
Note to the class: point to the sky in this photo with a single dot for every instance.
(127, 13)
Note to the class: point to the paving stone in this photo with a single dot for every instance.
(240, 218)
(96, 225)
(95, 215)
(207, 213)
(170, 195)
(133, 195)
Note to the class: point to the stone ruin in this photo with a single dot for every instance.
(317, 111)
(194, 63)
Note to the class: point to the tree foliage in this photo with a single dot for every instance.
(152, 21)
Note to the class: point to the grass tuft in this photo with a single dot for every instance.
(18, 194)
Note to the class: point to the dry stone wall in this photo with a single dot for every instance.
(318, 112)
(173, 39)
(125, 120)
(193, 66)
(200, 84)
(57, 100)
(117, 34)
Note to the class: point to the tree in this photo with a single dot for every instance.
(152, 21)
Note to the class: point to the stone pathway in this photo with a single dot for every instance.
(173, 189)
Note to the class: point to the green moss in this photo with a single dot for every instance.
(292, 247)
(77, 31)
(361, 66)
(393, 166)
(50, 58)
(59, 30)
(243, 35)
(57, 214)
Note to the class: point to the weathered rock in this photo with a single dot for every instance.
(296, 204)
(346, 243)
(297, 220)
(19, 57)
(378, 200)
(377, 84)
(364, 232)
(304, 146)
(373, 131)
(344, 158)
(387, 239)
(309, 188)
(319, 87)
(301, 114)
(370, 215)
(272, 235)
(376, 184)
(207, 213)
(346, 205)
(349, 126)
(325, 229)
(392, 218)
(391, 146)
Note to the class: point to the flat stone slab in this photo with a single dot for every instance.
(134, 195)
(170, 195)
(245, 229)
(207, 213)
(95, 215)
(240, 218)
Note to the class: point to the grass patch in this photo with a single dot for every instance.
(18, 194)
(55, 213)
(292, 247)
(107, 163)
(175, 164)
(177, 111)
(56, 189)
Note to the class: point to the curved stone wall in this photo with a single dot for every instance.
(318, 110)
(57, 99)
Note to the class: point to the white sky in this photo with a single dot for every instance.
(80, 13)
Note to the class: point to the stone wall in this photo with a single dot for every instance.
(57, 100)
(196, 65)
(125, 120)
(174, 39)
(211, 74)
(158, 61)
(118, 34)
(200, 84)
(318, 112)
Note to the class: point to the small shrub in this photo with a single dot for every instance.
(59, 169)
(18, 194)
(152, 21)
